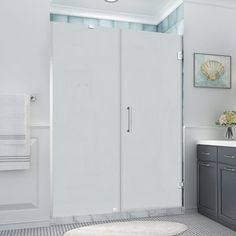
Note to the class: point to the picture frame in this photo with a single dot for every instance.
(212, 71)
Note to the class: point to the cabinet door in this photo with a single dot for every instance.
(207, 188)
(86, 120)
(151, 120)
(227, 194)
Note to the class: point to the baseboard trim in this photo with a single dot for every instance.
(25, 225)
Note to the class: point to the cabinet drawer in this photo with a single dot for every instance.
(207, 153)
(227, 155)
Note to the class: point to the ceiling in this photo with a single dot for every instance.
(145, 11)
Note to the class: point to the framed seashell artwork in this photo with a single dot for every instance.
(212, 71)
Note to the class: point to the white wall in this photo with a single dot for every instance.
(208, 29)
(24, 68)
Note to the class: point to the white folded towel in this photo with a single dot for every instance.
(14, 125)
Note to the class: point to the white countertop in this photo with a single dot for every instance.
(224, 143)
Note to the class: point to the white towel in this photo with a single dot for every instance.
(14, 125)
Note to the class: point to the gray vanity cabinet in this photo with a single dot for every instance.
(227, 193)
(217, 183)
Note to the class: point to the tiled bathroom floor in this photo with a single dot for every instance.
(198, 226)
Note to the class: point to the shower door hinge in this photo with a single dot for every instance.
(180, 55)
(181, 185)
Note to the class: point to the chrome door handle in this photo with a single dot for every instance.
(231, 157)
(206, 153)
(129, 110)
(205, 164)
(229, 169)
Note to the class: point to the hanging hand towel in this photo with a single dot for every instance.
(14, 128)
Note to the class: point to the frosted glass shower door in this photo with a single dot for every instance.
(86, 120)
(151, 120)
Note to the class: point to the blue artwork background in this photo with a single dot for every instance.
(202, 81)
